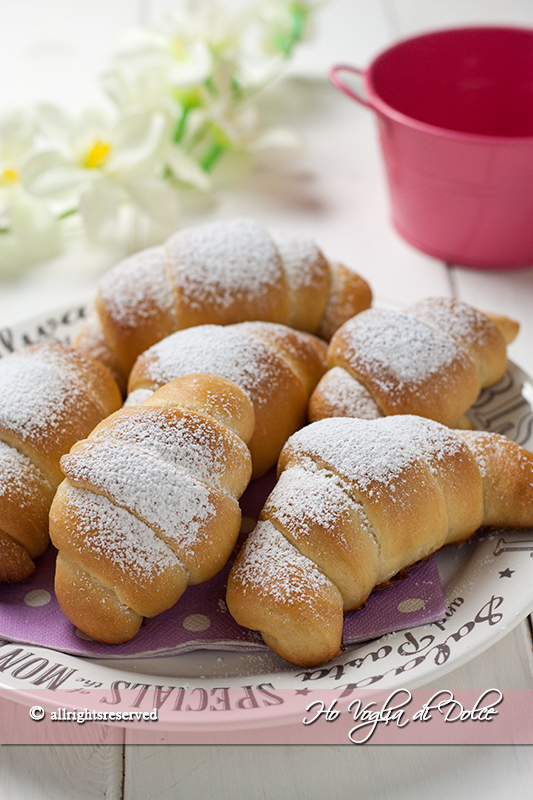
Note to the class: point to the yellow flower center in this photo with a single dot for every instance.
(97, 155)
(9, 175)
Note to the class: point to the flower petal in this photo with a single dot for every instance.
(156, 198)
(138, 141)
(33, 233)
(99, 206)
(49, 174)
(185, 168)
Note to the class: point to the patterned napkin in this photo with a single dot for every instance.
(30, 613)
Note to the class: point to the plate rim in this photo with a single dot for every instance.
(268, 715)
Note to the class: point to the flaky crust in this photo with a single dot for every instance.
(277, 366)
(219, 273)
(149, 504)
(432, 361)
(51, 395)
(358, 501)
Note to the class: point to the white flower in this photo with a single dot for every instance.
(29, 232)
(186, 57)
(17, 138)
(28, 229)
(201, 68)
(101, 162)
(182, 96)
(150, 63)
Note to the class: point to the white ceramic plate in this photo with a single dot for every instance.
(488, 586)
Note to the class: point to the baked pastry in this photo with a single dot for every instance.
(51, 395)
(358, 501)
(149, 504)
(431, 360)
(277, 366)
(219, 273)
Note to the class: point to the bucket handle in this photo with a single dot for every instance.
(339, 83)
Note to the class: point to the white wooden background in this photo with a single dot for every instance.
(53, 51)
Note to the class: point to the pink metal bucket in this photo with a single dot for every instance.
(455, 118)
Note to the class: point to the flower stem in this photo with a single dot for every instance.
(179, 130)
(286, 41)
(211, 157)
(68, 213)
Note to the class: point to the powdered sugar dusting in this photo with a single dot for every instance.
(161, 495)
(113, 534)
(309, 493)
(454, 319)
(374, 454)
(217, 263)
(271, 562)
(212, 349)
(36, 395)
(189, 442)
(397, 350)
(302, 260)
(134, 287)
(483, 444)
(16, 472)
(91, 340)
(346, 397)
(137, 397)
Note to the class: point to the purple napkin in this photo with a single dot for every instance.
(29, 611)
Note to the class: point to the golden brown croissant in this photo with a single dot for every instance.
(51, 395)
(432, 361)
(277, 366)
(357, 501)
(219, 273)
(149, 504)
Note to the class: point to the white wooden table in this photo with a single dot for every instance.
(335, 189)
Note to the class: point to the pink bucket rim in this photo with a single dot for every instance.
(375, 102)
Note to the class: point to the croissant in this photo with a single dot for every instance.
(277, 366)
(431, 361)
(149, 504)
(51, 395)
(220, 273)
(358, 501)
